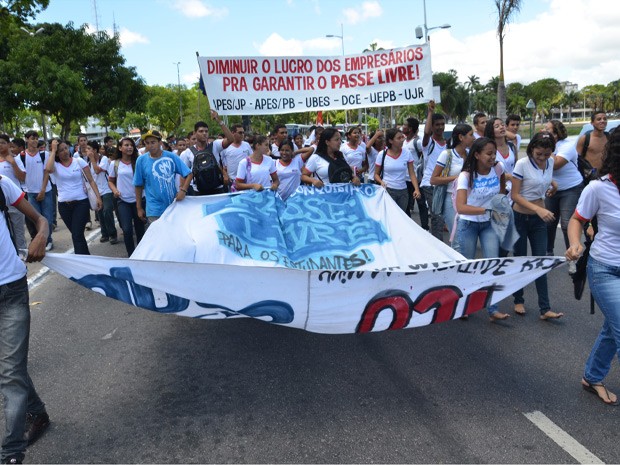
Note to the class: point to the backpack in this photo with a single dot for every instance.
(587, 171)
(5, 210)
(339, 170)
(206, 171)
(419, 174)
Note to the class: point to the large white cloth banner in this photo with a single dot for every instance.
(341, 259)
(275, 85)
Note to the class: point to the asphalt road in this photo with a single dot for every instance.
(124, 385)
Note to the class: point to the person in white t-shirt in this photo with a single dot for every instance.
(24, 411)
(413, 143)
(394, 166)
(570, 185)
(433, 143)
(448, 168)
(232, 155)
(480, 123)
(327, 152)
(532, 182)
(375, 145)
(258, 171)
(513, 122)
(601, 199)
(120, 181)
(289, 169)
(280, 134)
(480, 180)
(298, 140)
(354, 151)
(99, 165)
(69, 173)
(506, 151)
(13, 168)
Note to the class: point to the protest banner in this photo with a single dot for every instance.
(276, 85)
(341, 259)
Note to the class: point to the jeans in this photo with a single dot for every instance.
(562, 205)
(20, 396)
(129, 220)
(400, 196)
(467, 235)
(45, 208)
(604, 281)
(421, 201)
(75, 214)
(448, 217)
(106, 216)
(533, 228)
(436, 220)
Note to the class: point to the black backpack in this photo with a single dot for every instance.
(4, 209)
(587, 171)
(206, 171)
(339, 170)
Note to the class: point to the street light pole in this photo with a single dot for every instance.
(530, 105)
(341, 37)
(428, 29)
(180, 100)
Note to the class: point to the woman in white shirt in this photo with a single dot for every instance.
(327, 153)
(480, 180)
(570, 185)
(69, 173)
(601, 198)
(120, 181)
(99, 165)
(531, 184)
(394, 166)
(448, 168)
(289, 169)
(507, 153)
(354, 151)
(258, 171)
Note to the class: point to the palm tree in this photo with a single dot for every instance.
(571, 98)
(506, 9)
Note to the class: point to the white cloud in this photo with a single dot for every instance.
(575, 40)
(191, 78)
(276, 45)
(198, 9)
(128, 37)
(370, 9)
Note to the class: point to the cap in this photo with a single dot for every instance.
(151, 133)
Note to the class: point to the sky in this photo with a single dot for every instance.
(570, 40)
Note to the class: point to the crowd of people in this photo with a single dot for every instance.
(453, 183)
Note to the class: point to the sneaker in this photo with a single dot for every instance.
(49, 246)
(114, 240)
(89, 226)
(36, 424)
(103, 239)
(572, 266)
(12, 459)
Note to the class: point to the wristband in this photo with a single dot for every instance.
(184, 190)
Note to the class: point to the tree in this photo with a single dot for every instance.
(506, 9)
(571, 99)
(75, 75)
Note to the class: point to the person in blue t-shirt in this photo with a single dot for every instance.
(155, 174)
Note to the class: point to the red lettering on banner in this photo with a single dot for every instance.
(441, 299)
(347, 81)
(479, 299)
(234, 84)
(398, 302)
(400, 74)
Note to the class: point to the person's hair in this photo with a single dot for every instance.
(436, 117)
(559, 129)
(234, 127)
(31, 133)
(390, 134)
(477, 117)
(93, 144)
(107, 139)
(541, 140)
(257, 140)
(372, 134)
(166, 145)
(190, 134)
(21, 143)
(80, 135)
(60, 141)
(351, 129)
(134, 153)
(277, 127)
(460, 129)
(489, 130)
(594, 113)
(510, 118)
(327, 134)
(286, 142)
(470, 165)
(413, 123)
(6, 138)
(611, 158)
(111, 152)
(199, 124)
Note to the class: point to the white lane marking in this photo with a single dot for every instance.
(562, 438)
(37, 279)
